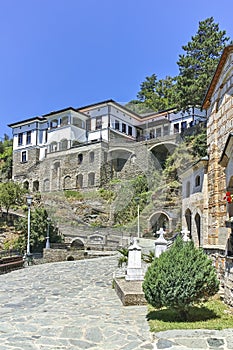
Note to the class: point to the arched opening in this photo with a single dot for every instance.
(91, 157)
(91, 179)
(162, 151)
(67, 183)
(159, 220)
(26, 185)
(188, 218)
(77, 244)
(197, 180)
(198, 227)
(46, 185)
(80, 158)
(79, 181)
(118, 159)
(35, 187)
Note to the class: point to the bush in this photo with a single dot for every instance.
(181, 277)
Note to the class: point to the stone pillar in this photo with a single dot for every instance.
(160, 243)
(134, 268)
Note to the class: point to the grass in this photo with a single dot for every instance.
(213, 314)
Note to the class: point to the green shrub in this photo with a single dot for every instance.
(69, 194)
(181, 276)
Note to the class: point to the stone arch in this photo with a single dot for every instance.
(67, 182)
(160, 219)
(119, 157)
(162, 150)
(77, 243)
(188, 218)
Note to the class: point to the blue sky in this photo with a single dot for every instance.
(60, 53)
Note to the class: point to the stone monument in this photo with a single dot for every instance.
(134, 268)
(160, 243)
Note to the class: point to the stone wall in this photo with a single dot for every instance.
(57, 255)
(228, 287)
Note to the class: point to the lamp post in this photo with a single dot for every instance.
(47, 246)
(29, 202)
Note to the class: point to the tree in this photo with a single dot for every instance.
(198, 64)
(11, 194)
(181, 277)
(157, 94)
(39, 225)
(6, 151)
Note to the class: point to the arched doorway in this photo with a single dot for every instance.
(77, 244)
(198, 227)
(188, 217)
(159, 220)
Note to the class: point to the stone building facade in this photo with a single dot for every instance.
(217, 171)
(84, 148)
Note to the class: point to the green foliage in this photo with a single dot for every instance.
(11, 194)
(180, 277)
(69, 194)
(131, 194)
(196, 69)
(6, 151)
(123, 258)
(107, 195)
(198, 143)
(148, 258)
(155, 95)
(39, 225)
(213, 314)
(198, 64)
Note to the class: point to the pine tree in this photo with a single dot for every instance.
(181, 277)
(198, 64)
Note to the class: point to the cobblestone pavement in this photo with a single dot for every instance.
(71, 305)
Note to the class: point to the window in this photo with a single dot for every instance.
(98, 123)
(53, 124)
(91, 179)
(28, 137)
(165, 130)
(117, 125)
(53, 147)
(158, 132)
(176, 128)
(20, 139)
(80, 158)
(123, 127)
(79, 181)
(63, 144)
(197, 181)
(91, 157)
(130, 130)
(152, 133)
(88, 124)
(183, 126)
(64, 120)
(24, 157)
